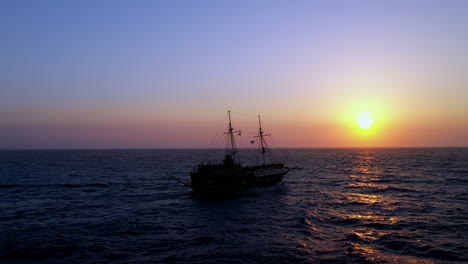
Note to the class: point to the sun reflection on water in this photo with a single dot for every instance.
(378, 219)
(365, 168)
(370, 207)
(373, 255)
(371, 235)
(363, 205)
(370, 185)
(371, 199)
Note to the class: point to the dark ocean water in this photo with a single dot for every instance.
(335, 206)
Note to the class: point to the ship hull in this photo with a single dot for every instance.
(211, 182)
(267, 180)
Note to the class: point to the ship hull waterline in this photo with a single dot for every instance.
(242, 184)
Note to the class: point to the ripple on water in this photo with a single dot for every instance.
(335, 206)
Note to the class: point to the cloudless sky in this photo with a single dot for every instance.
(162, 74)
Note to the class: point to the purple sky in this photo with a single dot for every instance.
(112, 74)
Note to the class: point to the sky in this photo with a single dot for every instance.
(162, 74)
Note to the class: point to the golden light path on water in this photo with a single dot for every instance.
(367, 218)
(365, 174)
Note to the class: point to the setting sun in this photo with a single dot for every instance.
(365, 120)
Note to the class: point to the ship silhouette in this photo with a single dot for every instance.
(230, 175)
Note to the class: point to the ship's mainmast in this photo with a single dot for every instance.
(262, 140)
(231, 138)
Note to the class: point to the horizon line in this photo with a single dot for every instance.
(188, 148)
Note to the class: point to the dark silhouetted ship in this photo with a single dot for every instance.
(230, 175)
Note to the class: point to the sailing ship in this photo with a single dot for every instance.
(230, 175)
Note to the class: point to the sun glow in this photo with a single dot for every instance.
(365, 120)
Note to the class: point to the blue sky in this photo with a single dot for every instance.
(138, 62)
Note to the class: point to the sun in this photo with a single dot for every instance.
(365, 120)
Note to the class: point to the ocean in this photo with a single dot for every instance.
(334, 206)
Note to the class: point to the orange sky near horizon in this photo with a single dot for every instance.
(154, 75)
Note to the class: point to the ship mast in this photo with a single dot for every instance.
(262, 140)
(231, 137)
